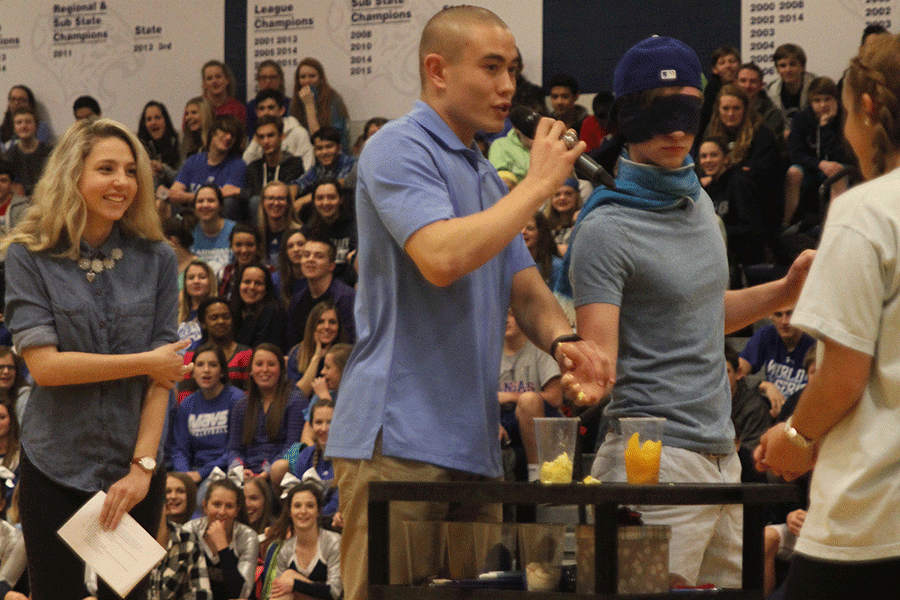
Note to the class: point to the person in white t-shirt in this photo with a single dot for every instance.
(849, 415)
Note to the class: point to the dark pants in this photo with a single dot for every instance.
(815, 579)
(54, 571)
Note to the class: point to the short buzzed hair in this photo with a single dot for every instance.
(86, 102)
(873, 29)
(267, 94)
(565, 81)
(26, 110)
(446, 32)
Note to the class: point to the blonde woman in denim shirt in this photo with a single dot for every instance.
(91, 302)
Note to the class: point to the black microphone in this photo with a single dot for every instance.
(526, 120)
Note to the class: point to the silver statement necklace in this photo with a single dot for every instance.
(92, 267)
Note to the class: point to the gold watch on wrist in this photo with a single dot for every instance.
(147, 463)
(795, 437)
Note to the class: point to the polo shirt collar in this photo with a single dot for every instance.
(426, 116)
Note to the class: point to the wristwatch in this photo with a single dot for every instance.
(568, 337)
(147, 463)
(795, 437)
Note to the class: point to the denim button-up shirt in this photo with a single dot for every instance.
(83, 436)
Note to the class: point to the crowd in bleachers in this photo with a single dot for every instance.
(265, 237)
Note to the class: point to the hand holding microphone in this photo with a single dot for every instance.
(526, 121)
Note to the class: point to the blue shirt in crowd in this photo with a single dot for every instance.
(201, 431)
(339, 169)
(214, 250)
(196, 172)
(766, 350)
(263, 450)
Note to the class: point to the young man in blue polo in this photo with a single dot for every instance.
(441, 260)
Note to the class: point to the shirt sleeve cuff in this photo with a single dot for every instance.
(36, 337)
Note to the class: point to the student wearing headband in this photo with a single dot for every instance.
(648, 275)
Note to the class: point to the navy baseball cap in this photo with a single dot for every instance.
(657, 62)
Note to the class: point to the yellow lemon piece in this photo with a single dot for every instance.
(590, 480)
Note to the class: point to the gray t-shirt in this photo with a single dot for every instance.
(667, 272)
(528, 370)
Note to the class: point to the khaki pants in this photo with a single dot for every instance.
(353, 477)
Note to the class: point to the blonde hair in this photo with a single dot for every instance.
(743, 137)
(339, 354)
(194, 142)
(291, 218)
(557, 220)
(58, 214)
(876, 71)
(226, 70)
(184, 301)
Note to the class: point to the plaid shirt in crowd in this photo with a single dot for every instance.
(182, 573)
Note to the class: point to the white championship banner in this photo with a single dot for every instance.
(368, 48)
(121, 52)
(829, 31)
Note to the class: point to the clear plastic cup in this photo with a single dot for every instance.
(643, 447)
(556, 441)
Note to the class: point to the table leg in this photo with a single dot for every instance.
(606, 542)
(752, 572)
(379, 543)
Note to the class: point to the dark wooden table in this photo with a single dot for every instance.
(605, 498)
